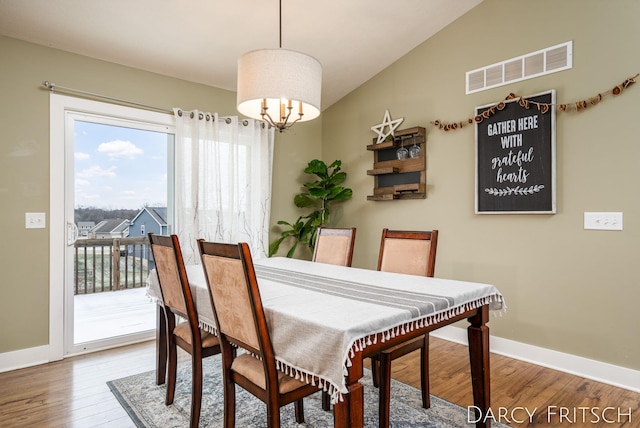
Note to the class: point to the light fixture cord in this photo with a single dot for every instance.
(280, 23)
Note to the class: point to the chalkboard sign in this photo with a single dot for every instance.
(516, 156)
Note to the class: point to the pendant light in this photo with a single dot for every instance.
(279, 86)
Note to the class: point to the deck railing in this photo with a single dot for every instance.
(111, 264)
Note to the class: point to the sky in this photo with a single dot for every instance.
(117, 167)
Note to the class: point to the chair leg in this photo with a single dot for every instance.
(326, 401)
(172, 368)
(229, 404)
(196, 389)
(299, 410)
(384, 380)
(273, 414)
(375, 371)
(424, 373)
(161, 345)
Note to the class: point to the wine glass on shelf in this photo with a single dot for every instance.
(414, 151)
(402, 152)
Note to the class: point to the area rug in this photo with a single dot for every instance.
(144, 402)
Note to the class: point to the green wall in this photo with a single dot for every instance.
(567, 289)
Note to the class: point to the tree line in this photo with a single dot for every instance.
(98, 214)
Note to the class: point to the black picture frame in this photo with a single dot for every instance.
(516, 156)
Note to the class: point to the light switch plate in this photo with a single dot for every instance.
(603, 220)
(35, 220)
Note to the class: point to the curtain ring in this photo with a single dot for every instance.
(191, 115)
(227, 120)
(245, 122)
(180, 113)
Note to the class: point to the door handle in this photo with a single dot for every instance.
(72, 233)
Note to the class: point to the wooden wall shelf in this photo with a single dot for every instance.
(383, 170)
(399, 179)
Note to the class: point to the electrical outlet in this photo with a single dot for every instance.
(35, 220)
(603, 221)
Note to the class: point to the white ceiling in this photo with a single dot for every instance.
(201, 40)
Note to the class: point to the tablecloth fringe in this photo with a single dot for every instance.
(407, 327)
(311, 379)
(208, 328)
(203, 326)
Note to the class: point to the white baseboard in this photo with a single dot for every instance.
(24, 358)
(621, 377)
(43, 354)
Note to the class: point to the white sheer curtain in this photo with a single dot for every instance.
(223, 181)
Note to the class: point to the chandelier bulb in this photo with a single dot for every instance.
(285, 114)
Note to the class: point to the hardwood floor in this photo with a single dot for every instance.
(73, 392)
(517, 386)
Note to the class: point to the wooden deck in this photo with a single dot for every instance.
(113, 313)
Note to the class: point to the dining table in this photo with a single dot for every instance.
(324, 320)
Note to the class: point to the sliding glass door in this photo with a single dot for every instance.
(118, 175)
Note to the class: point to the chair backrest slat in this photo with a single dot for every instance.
(235, 297)
(334, 246)
(228, 284)
(408, 252)
(172, 276)
(169, 278)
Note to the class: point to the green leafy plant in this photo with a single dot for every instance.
(319, 195)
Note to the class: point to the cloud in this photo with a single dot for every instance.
(118, 149)
(81, 182)
(81, 156)
(97, 171)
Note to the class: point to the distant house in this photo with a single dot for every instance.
(109, 229)
(84, 227)
(149, 219)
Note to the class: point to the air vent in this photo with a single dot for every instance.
(545, 61)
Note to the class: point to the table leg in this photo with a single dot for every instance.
(161, 346)
(478, 334)
(350, 412)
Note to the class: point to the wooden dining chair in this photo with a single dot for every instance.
(241, 321)
(334, 246)
(413, 253)
(178, 301)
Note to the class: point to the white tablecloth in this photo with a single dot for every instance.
(319, 314)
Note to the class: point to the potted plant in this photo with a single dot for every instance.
(319, 195)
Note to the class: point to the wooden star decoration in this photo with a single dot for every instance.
(391, 126)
